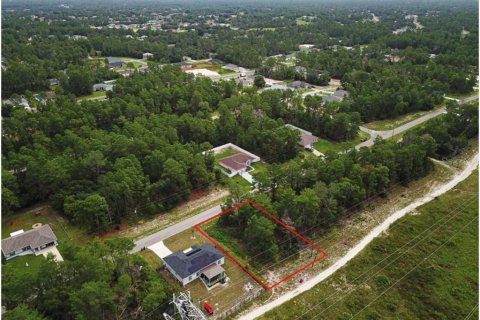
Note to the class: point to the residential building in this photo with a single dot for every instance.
(204, 262)
(115, 62)
(30, 242)
(102, 87)
(147, 55)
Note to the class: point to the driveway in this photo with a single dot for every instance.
(176, 228)
(160, 249)
(53, 250)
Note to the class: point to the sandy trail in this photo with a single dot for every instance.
(470, 166)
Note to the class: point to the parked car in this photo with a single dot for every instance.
(363, 139)
(309, 149)
(242, 74)
(208, 307)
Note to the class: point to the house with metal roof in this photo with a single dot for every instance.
(29, 242)
(204, 262)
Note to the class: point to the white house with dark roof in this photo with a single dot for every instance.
(204, 262)
(30, 242)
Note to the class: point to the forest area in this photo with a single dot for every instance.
(143, 150)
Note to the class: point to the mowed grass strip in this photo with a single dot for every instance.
(424, 267)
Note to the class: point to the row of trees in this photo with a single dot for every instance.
(100, 280)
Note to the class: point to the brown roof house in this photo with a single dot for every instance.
(307, 139)
(239, 163)
(30, 242)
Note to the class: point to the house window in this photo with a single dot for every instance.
(198, 273)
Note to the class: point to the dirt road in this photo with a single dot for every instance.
(470, 166)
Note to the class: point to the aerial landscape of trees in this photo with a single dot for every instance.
(103, 161)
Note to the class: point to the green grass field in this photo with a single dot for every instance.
(96, 94)
(424, 267)
(461, 96)
(301, 22)
(324, 145)
(389, 124)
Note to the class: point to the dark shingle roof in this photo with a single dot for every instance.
(33, 238)
(236, 162)
(193, 261)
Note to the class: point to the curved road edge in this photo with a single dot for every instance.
(472, 164)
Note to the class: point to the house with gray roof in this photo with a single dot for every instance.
(29, 242)
(102, 87)
(204, 262)
(115, 62)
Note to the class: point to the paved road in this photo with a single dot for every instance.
(176, 228)
(394, 216)
(390, 133)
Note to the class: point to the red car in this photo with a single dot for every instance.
(208, 307)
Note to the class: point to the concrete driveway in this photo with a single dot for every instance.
(53, 250)
(160, 249)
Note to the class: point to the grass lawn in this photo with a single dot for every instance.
(152, 259)
(222, 297)
(245, 186)
(424, 267)
(24, 219)
(301, 22)
(324, 145)
(21, 261)
(225, 153)
(462, 95)
(96, 94)
(389, 124)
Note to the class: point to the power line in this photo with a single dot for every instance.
(461, 207)
(412, 269)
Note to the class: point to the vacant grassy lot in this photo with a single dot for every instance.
(424, 267)
(222, 297)
(324, 145)
(390, 124)
(96, 94)
(461, 96)
(301, 22)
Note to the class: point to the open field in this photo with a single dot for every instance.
(389, 124)
(301, 22)
(222, 297)
(424, 267)
(324, 145)
(94, 95)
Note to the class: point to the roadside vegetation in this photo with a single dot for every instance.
(425, 266)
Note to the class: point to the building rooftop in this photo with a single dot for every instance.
(193, 261)
(33, 238)
(236, 162)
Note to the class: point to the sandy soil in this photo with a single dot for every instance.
(439, 189)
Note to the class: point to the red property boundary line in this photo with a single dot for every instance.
(278, 221)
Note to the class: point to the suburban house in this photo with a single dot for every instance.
(306, 47)
(232, 67)
(215, 61)
(307, 139)
(53, 81)
(147, 55)
(276, 86)
(204, 262)
(290, 56)
(29, 242)
(126, 73)
(185, 65)
(299, 85)
(338, 96)
(102, 87)
(115, 62)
